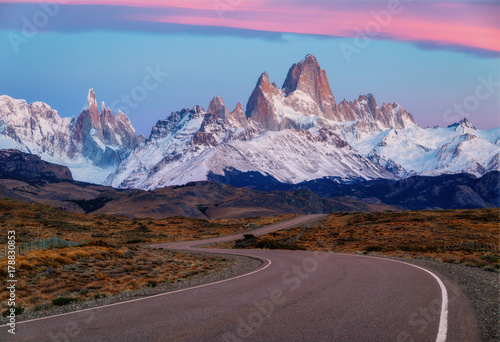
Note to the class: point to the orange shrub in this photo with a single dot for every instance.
(473, 260)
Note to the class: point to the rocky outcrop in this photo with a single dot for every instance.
(204, 139)
(237, 117)
(18, 165)
(366, 111)
(165, 128)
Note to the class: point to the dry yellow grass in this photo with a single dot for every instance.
(31, 221)
(87, 272)
(114, 262)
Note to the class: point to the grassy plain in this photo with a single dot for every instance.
(470, 237)
(111, 260)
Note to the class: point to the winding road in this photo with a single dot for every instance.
(292, 296)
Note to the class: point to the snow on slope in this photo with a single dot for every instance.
(291, 156)
(433, 151)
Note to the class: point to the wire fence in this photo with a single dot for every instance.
(26, 247)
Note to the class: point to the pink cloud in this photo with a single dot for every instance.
(469, 25)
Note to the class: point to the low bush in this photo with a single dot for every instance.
(99, 243)
(17, 311)
(40, 307)
(374, 249)
(489, 269)
(472, 260)
(61, 301)
(134, 241)
(274, 244)
(451, 259)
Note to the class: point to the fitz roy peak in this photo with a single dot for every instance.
(298, 133)
(306, 98)
(292, 134)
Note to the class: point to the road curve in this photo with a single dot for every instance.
(292, 296)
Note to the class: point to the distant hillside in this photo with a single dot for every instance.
(454, 191)
(19, 165)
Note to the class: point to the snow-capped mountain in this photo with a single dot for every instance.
(459, 148)
(92, 145)
(306, 100)
(192, 143)
(298, 133)
(295, 133)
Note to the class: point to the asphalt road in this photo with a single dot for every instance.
(292, 296)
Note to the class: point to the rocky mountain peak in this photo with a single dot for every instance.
(198, 110)
(106, 116)
(89, 118)
(41, 109)
(462, 125)
(237, 117)
(91, 105)
(123, 120)
(308, 77)
(372, 102)
(264, 78)
(102, 137)
(466, 124)
(218, 108)
(301, 73)
(260, 107)
(239, 107)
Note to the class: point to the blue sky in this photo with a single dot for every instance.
(59, 66)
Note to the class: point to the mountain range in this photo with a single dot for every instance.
(26, 177)
(294, 134)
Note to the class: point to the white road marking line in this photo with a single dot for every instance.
(443, 318)
(161, 294)
(154, 296)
